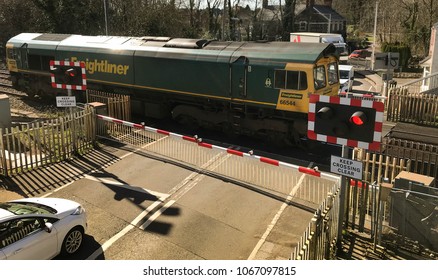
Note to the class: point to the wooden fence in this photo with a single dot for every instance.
(118, 105)
(32, 145)
(419, 108)
(398, 155)
(379, 166)
(422, 157)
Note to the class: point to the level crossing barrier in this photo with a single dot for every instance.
(301, 184)
(297, 185)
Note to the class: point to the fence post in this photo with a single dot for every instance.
(326, 220)
(74, 133)
(3, 154)
(313, 237)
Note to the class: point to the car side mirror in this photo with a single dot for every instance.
(48, 227)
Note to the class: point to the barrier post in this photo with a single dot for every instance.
(342, 201)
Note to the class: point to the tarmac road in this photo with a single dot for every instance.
(142, 208)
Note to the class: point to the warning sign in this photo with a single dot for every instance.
(65, 101)
(346, 167)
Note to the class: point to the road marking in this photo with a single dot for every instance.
(157, 214)
(185, 185)
(277, 217)
(140, 148)
(126, 186)
(124, 231)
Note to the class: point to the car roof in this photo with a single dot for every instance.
(345, 67)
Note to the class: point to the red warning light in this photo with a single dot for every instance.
(71, 72)
(358, 118)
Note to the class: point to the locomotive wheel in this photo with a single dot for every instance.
(227, 129)
(188, 121)
(31, 93)
(278, 139)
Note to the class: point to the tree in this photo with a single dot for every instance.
(17, 16)
(405, 21)
(288, 17)
(213, 18)
(71, 16)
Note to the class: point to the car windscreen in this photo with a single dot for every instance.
(24, 208)
(344, 74)
(332, 40)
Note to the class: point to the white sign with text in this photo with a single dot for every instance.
(346, 167)
(66, 101)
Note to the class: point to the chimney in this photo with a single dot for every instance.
(328, 3)
(265, 4)
(310, 3)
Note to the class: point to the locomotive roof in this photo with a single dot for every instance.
(272, 51)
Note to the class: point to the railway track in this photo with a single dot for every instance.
(5, 81)
(23, 107)
(415, 133)
(4, 74)
(8, 90)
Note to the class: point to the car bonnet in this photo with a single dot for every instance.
(63, 207)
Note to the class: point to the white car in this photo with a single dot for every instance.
(40, 228)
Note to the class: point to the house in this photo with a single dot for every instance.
(320, 18)
(269, 22)
(430, 63)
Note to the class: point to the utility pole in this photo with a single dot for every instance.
(223, 20)
(374, 36)
(329, 25)
(106, 19)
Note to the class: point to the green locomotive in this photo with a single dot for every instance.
(252, 88)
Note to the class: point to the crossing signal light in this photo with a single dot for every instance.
(345, 121)
(358, 118)
(67, 75)
(71, 72)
